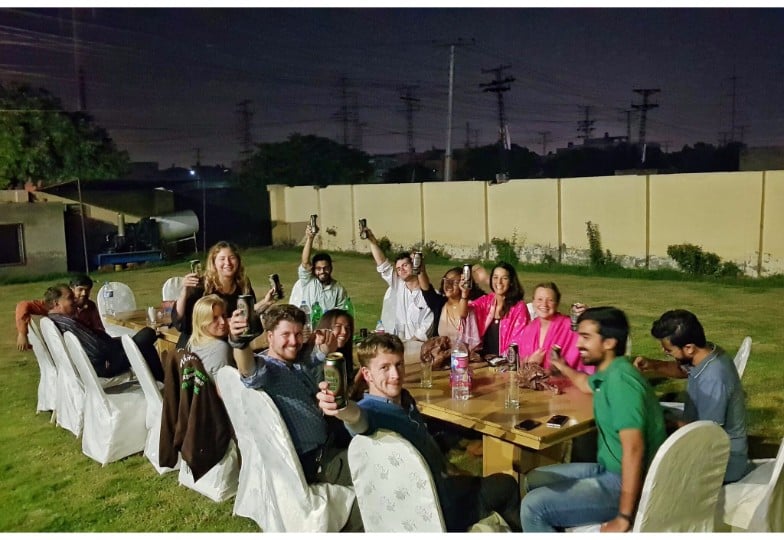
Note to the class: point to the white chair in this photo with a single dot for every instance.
(47, 383)
(742, 356)
(124, 300)
(219, 483)
(152, 395)
(296, 294)
(69, 396)
(394, 488)
(272, 489)
(114, 423)
(755, 503)
(681, 489)
(171, 289)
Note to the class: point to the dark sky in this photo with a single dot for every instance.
(167, 81)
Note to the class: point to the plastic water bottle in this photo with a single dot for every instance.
(379, 328)
(308, 328)
(108, 298)
(349, 306)
(315, 314)
(460, 376)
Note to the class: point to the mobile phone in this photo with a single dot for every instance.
(557, 420)
(528, 424)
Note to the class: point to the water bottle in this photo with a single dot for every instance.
(307, 329)
(379, 328)
(349, 306)
(108, 298)
(315, 314)
(460, 377)
(512, 389)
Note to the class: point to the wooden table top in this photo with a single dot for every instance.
(137, 319)
(485, 411)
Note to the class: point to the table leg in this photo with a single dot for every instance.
(504, 457)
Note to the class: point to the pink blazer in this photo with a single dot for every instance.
(510, 328)
(558, 333)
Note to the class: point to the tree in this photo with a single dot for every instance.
(304, 160)
(41, 141)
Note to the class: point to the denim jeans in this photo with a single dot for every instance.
(569, 495)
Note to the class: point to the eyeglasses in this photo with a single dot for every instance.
(451, 282)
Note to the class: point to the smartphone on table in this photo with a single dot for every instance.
(527, 424)
(557, 420)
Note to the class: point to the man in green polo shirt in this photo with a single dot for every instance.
(631, 429)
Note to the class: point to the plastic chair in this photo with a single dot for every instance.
(124, 300)
(69, 397)
(755, 503)
(114, 423)
(394, 488)
(681, 489)
(742, 356)
(152, 395)
(47, 383)
(296, 294)
(172, 288)
(272, 488)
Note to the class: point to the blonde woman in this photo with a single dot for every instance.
(225, 277)
(210, 329)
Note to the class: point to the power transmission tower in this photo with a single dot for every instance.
(644, 108)
(343, 115)
(733, 110)
(412, 104)
(628, 113)
(356, 124)
(471, 135)
(198, 156)
(81, 95)
(245, 138)
(585, 127)
(544, 135)
(499, 85)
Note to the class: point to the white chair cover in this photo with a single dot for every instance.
(124, 300)
(273, 491)
(220, 482)
(171, 289)
(742, 356)
(755, 503)
(152, 395)
(69, 396)
(47, 384)
(296, 294)
(394, 488)
(681, 489)
(114, 424)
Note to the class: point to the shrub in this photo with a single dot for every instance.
(694, 261)
(599, 258)
(506, 250)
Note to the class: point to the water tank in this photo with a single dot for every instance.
(177, 225)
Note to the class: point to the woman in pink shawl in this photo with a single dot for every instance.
(550, 328)
(502, 314)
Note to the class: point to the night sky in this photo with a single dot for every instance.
(165, 82)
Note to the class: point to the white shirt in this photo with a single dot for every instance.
(404, 309)
(328, 296)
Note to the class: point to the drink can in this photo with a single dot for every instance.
(274, 282)
(467, 274)
(573, 315)
(416, 262)
(245, 303)
(362, 228)
(335, 375)
(196, 267)
(513, 356)
(314, 223)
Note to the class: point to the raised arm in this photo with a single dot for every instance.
(665, 368)
(578, 378)
(243, 354)
(308, 245)
(378, 254)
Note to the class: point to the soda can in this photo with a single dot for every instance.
(314, 223)
(335, 375)
(362, 228)
(416, 262)
(196, 267)
(245, 303)
(274, 282)
(467, 274)
(573, 315)
(513, 356)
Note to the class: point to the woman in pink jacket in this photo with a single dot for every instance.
(550, 328)
(502, 314)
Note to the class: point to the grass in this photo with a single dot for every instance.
(47, 484)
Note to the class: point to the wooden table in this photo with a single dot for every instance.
(506, 449)
(137, 319)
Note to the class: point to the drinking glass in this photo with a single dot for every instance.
(427, 374)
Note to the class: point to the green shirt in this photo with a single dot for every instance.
(623, 399)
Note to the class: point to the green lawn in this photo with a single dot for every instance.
(47, 484)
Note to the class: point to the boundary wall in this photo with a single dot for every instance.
(737, 215)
